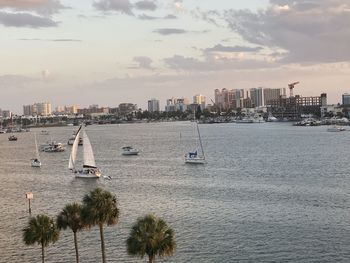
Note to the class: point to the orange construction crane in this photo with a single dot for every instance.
(291, 87)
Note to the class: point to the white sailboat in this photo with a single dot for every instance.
(90, 169)
(36, 162)
(196, 156)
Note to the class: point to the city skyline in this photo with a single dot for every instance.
(113, 51)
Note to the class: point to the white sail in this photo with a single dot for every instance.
(73, 154)
(89, 160)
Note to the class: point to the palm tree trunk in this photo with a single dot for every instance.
(42, 252)
(102, 244)
(76, 247)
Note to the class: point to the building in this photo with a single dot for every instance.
(28, 110)
(93, 111)
(229, 99)
(42, 108)
(153, 105)
(127, 108)
(273, 94)
(293, 107)
(200, 100)
(257, 97)
(180, 104)
(37, 109)
(6, 114)
(346, 99)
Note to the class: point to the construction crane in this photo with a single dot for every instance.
(291, 87)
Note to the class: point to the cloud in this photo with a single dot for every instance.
(221, 48)
(216, 63)
(170, 31)
(146, 5)
(147, 17)
(51, 40)
(143, 62)
(313, 31)
(122, 6)
(43, 7)
(25, 20)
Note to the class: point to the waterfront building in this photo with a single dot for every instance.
(153, 105)
(200, 100)
(346, 99)
(127, 108)
(273, 94)
(28, 110)
(257, 97)
(37, 109)
(173, 104)
(93, 111)
(293, 107)
(6, 114)
(229, 99)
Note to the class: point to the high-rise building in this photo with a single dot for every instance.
(42, 108)
(229, 99)
(37, 109)
(346, 99)
(273, 94)
(257, 97)
(200, 100)
(153, 105)
(180, 104)
(6, 114)
(27, 110)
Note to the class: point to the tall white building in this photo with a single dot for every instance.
(257, 97)
(200, 100)
(153, 105)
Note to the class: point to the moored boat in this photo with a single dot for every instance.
(128, 150)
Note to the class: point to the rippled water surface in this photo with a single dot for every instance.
(269, 193)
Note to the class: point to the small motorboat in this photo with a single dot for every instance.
(128, 150)
(12, 138)
(35, 162)
(336, 129)
(52, 147)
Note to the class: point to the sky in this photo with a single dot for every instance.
(107, 52)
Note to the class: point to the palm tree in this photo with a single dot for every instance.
(41, 230)
(100, 207)
(152, 236)
(71, 217)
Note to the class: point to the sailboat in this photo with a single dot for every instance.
(36, 162)
(196, 156)
(90, 169)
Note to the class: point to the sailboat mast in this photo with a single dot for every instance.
(36, 146)
(200, 139)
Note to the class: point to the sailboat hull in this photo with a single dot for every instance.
(36, 164)
(195, 160)
(88, 174)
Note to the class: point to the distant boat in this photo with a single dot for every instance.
(52, 147)
(336, 129)
(36, 161)
(128, 150)
(12, 138)
(44, 132)
(90, 169)
(197, 155)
